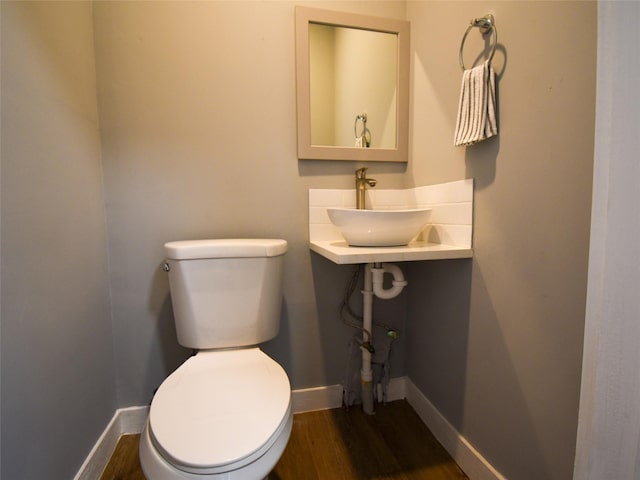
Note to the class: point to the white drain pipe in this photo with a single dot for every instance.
(398, 282)
(366, 374)
(373, 285)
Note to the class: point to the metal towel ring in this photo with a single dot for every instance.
(365, 133)
(363, 119)
(486, 25)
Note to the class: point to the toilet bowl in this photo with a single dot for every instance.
(226, 412)
(221, 415)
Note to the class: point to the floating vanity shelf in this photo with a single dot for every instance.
(341, 253)
(447, 236)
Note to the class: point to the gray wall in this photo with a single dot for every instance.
(496, 342)
(58, 381)
(197, 115)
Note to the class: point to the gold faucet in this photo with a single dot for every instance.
(361, 186)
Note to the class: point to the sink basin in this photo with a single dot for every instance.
(379, 228)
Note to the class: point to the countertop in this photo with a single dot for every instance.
(338, 251)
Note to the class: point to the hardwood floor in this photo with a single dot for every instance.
(124, 463)
(338, 444)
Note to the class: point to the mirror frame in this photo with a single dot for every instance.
(401, 28)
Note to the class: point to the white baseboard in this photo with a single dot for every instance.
(466, 456)
(325, 398)
(132, 420)
(318, 398)
(125, 420)
(397, 389)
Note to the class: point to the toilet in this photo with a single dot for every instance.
(226, 412)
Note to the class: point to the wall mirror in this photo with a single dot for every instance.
(352, 78)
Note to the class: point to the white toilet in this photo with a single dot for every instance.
(226, 412)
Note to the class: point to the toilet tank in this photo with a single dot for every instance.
(226, 292)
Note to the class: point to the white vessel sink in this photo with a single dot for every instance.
(379, 228)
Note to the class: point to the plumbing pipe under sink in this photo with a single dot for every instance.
(373, 285)
(377, 274)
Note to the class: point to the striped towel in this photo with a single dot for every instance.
(477, 108)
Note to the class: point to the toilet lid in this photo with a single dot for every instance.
(219, 408)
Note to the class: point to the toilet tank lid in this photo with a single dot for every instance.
(225, 248)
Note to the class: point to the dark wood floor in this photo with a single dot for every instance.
(338, 444)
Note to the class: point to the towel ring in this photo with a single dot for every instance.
(365, 134)
(486, 25)
(363, 119)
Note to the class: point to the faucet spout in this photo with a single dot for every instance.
(361, 186)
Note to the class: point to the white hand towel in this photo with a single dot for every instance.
(477, 107)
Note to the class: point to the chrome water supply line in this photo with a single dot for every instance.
(348, 316)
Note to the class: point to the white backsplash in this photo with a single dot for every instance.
(451, 204)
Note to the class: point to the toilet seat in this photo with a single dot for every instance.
(220, 410)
